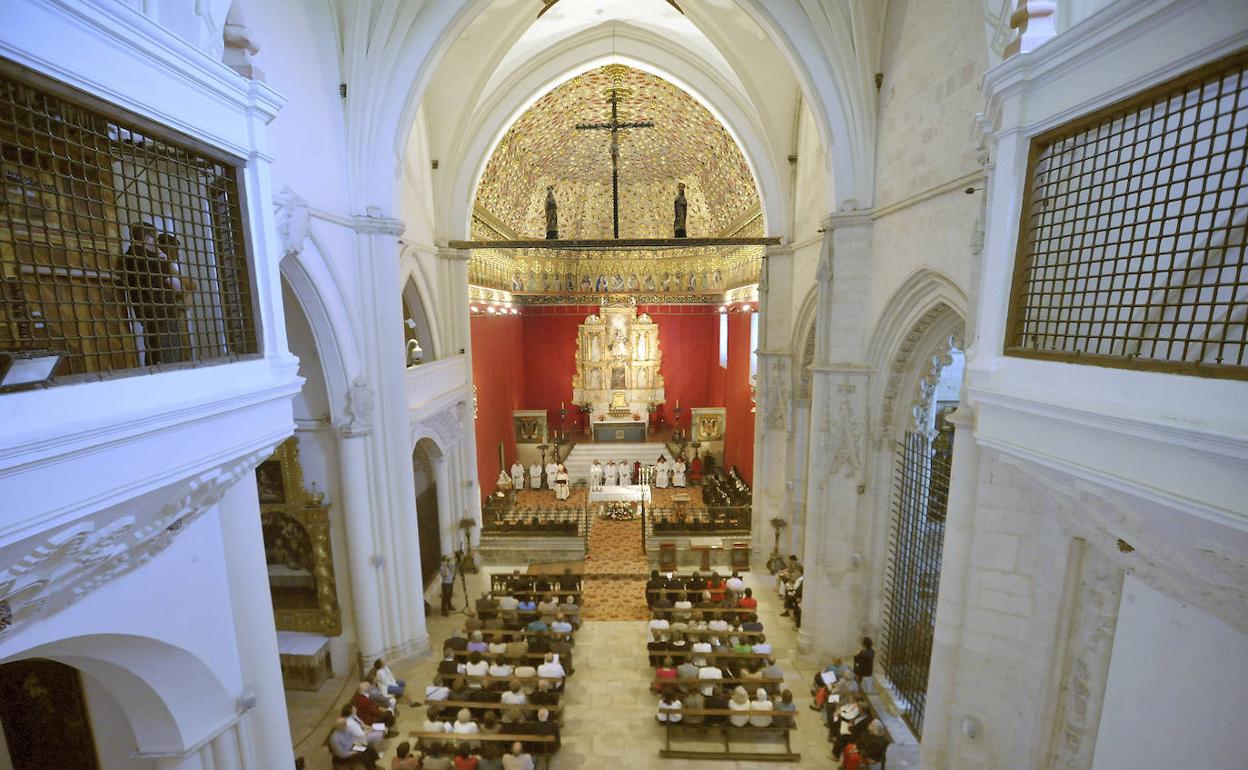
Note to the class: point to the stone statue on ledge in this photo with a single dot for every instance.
(682, 211)
(552, 214)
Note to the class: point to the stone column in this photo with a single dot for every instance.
(448, 520)
(832, 606)
(225, 750)
(361, 554)
(391, 508)
(268, 726)
(774, 398)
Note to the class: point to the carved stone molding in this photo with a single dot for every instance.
(446, 426)
(775, 391)
(239, 45)
(56, 569)
(1034, 20)
(902, 365)
(358, 411)
(293, 216)
(841, 431)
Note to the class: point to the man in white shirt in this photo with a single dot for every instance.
(659, 628)
(551, 668)
(709, 676)
(762, 647)
(610, 475)
(683, 604)
(700, 653)
(535, 476)
(561, 624)
(501, 668)
(508, 603)
(515, 696)
(718, 625)
(735, 584)
(517, 759)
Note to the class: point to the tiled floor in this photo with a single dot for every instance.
(610, 710)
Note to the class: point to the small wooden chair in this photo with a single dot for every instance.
(667, 557)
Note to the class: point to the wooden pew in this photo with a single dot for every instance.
(490, 705)
(729, 730)
(725, 680)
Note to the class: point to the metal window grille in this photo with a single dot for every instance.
(912, 578)
(121, 244)
(1131, 248)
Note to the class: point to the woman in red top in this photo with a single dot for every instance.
(748, 601)
(851, 759)
(463, 760)
(715, 587)
(664, 674)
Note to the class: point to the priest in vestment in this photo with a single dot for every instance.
(562, 490)
(625, 473)
(517, 476)
(610, 475)
(660, 473)
(552, 468)
(535, 476)
(595, 475)
(678, 473)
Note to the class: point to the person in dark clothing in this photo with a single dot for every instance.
(155, 291)
(864, 661)
(654, 586)
(716, 700)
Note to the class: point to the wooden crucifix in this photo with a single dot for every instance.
(615, 126)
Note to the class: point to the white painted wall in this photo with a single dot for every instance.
(1177, 693)
(114, 738)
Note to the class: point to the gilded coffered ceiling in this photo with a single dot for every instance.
(687, 144)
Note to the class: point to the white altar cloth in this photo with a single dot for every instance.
(632, 493)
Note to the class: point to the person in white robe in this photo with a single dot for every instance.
(610, 475)
(552, 468)
(535, 476)
(626, 473)
(660, 473)
(562, 487)
(504, 482)
(517, 476)
(595, 475)
(678, 473)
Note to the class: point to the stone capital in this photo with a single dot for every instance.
(376, 224)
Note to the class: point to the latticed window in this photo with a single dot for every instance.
(121, 243)
(912, 578)
(1132, 242)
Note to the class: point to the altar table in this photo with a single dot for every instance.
(633, 493)
(619, 430)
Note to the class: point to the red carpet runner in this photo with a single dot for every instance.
(615, 572)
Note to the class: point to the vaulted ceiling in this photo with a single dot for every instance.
(687, 144)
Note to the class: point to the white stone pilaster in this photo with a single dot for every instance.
(267, 724)
(774, 382)
(832, 606)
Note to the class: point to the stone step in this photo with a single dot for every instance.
(584, 454)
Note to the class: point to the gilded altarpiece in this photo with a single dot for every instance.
(297, 546)
(617, 365)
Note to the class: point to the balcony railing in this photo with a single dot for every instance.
(122, 243)
(428, 385)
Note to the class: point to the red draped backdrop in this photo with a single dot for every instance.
(527, 362)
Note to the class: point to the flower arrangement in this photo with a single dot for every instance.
(618, 511)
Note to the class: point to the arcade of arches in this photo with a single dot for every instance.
(381, 378)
